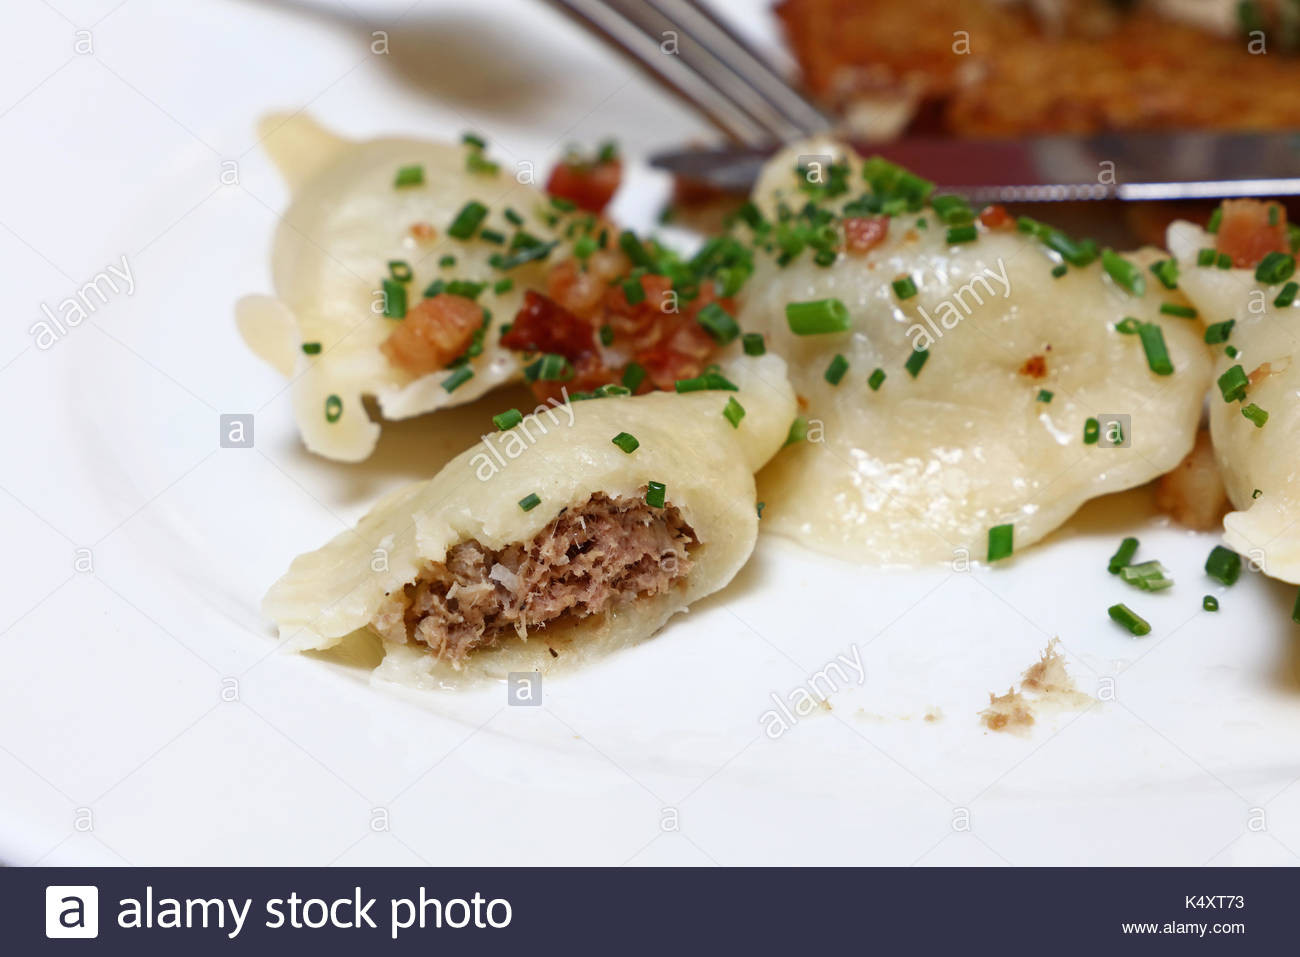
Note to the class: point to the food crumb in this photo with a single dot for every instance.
(1045, 685)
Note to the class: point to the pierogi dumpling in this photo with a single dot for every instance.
(1260, 464)
(371, 227)
(568, 533)
(972, 377)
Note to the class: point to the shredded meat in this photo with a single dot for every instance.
(585, 562)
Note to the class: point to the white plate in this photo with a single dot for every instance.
(117, 741)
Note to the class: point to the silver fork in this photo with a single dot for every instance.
(683, 45)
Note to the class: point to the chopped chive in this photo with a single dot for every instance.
(753, 344)
(1256, 494)
(471, 138)
(733, 412)
(798, 431)
(467, 220)
(1206, 257)
(1216, 218)
(606, 335)
(1059, 270)
(478, 163)
(818, 317)
(953, 210)
(513, 218)
(627, 442)
(710, 381)
(435, 288)
(1218, 332)
(584, 247)
(1256, 415)
(1224, 261)
(446, 262)
(458, 378)
(1000, 542)
(1174, 309)
(394, 299)
(400, 270)
(1149, 576)
(1274, 268)
(1287, 295)
(758, 507)
(507, 419)
(718, 323)
(1223, 565)
(835, 371)
(633, 291)
(633, 376)
(876, 380)
(1123, 555)
(465, 288)
(311, 348)
(1128, 326)
(1233, 383)
(962, 234)
(530, 502)
(1126, 275)
(526, 254)
(655, 494)
(1295, 609)
(408, 176)
(1136, 625)
(904, 288)
(916, 361)
(1231, 352)
(503, 286)
(550, 367)
(1091, 431)
(562, 204)
(333, 408)
(1044, 395)
(1166, 270)
(1210, 603)
(498, 238)
(1153, 344)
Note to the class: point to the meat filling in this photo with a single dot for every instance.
(585, 562)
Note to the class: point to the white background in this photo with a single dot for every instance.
(115, 743)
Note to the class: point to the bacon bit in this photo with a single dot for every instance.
(434, 332)
(543, 325)
(582, 290)
(423, 231)
(1245, 234)
(1262, 372)
(660, 332)
(864, 233)
(1035, 367)
(996, 217)
(589, 186)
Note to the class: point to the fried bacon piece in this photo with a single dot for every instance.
(588, 185)
(587, 318)
(1250, 230)
(434, 332)
(864, 233)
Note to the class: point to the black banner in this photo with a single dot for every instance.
(500, 911)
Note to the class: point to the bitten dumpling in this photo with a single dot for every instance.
(395, 266)
(1253, 322)
(962, 370)
(578, 529)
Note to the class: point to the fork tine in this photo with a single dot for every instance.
(691, 71)
(739, 55)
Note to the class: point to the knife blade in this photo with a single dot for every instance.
(1106, 166)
